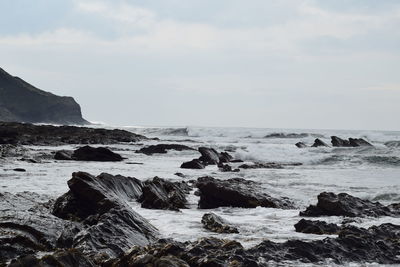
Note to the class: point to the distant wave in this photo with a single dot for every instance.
(293, 135)
(390, 197)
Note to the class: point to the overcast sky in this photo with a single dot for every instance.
(258, 63)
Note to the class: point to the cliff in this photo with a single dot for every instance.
(22, 102)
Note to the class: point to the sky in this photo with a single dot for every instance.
(320, 64)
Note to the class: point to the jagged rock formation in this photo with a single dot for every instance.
(217, 224)
(22, 102)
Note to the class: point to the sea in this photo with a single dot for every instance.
(371, 173)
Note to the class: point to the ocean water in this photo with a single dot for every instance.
(368, 172)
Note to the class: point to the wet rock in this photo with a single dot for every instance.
(29, 134)
(161, 194)
(225, 157)
(112, 226)
(217, 224)
(355, 142)
(63, 155)
(258, 165)
(301, 145)
(287, 135)
(193, 164)
(331, 204)
(88, 153)
(64, 258)
(236, 192)
(179, 174)
(227, 168)
(209, 156)
(318, 143)
(19, 170)
(27, 227)
(352, 142)
(162, 148)
(316, 227)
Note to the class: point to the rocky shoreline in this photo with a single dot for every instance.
(93, 224)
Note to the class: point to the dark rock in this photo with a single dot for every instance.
(339, 142)
(19, 170)
(236, 161)
(318, 142)
(23, 102)
(225, 157)
(316, 227)
(268, 165)
(193, 164)
(227, 168)
(88, 153)
(112, 227)
(330, 204)
(64, 258)
(355, 142)
(161, 194)
(287, 135)
(236, 192)
(162, 148)
(63, 155)
(217, 224)
(179, 174)
(29, 134)
(27, 227)
(209, 156)
(301, 145)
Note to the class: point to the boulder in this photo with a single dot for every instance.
(88, 153)
(193, 164)
(227, 168)
(111, 225)
(217, 224)
(316, 227)
(236, 192)
(318, 143)
(161, 194)
(355, 142)
(352, 142)
(209, 156)
(63, 155)
(331, 204)
(162, 148)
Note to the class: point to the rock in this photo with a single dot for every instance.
(227, 168)
(217, 224)
(338, 142)
(19, 170)
(27, 227)
(355, 142)
(225, 157)
(287, 135)
(378, 244)
(112, 226)
(352, 142)
(161, 194)
(318, 142)
(63, 155)
(301, 145)
(88, 153)
(236, 192)
(23, 102)
(209, 156)
(29, 134)
(193, 164)
(64, 258)
(162, 148)
(179, 174)
(268, 165)
(330, 204)
(316, 227)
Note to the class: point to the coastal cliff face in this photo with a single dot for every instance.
(22, 102)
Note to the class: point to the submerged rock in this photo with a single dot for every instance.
(236, 192)
(193, 164)
(217, 224)
(29, 134)
(318, 143)
(161, 194)
(301, 145)
(162, 148)
(316, 227)
(330, 204)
